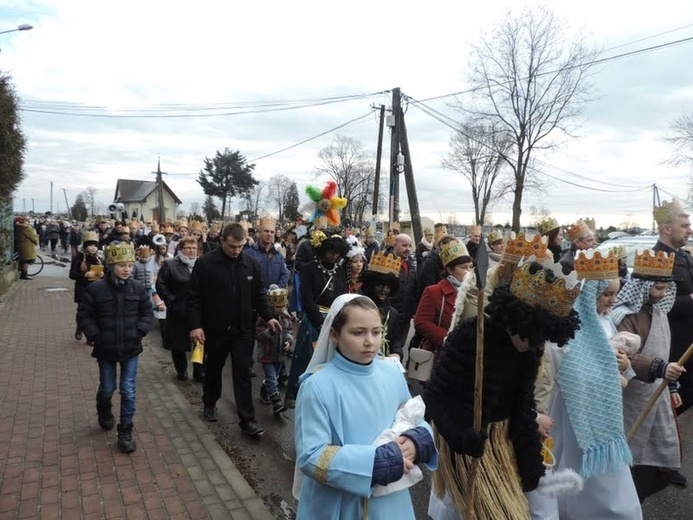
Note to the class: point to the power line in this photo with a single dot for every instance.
(312, 138)
(264, 109)
(582, 64)
(456, 125)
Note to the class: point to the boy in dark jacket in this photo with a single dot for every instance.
(115, 314)
(272, 347)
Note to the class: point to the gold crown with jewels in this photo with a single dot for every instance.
(556, 297)
(591, 265)
(519, 246)
(385, 264)
(451, 251)
(547, 225)
(118, 252)
(577, 230)
(649, 264)
(278, 297)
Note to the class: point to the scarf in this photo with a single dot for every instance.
(590, 385)
(635, 294)
(426, 244)
(456, 284)
(190, 262)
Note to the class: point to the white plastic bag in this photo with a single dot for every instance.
(408, 417)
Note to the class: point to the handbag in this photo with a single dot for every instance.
(420, 362)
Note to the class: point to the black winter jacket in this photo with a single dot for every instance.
(226, 294)
(508, 394)
(116, 317)
(77, 275)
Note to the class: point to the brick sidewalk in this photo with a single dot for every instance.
(55, 461)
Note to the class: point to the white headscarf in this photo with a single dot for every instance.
(325, 347)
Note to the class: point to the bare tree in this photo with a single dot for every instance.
(476, 152)
(681, 136)
(253, 197)
(195, 208)
(532, 83)
(347, 163)
(89, 197)
(277, 188)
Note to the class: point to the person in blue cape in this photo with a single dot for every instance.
(348, 398)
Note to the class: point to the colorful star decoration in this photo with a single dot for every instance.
(325, 202)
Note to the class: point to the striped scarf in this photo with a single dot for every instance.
(590, 386)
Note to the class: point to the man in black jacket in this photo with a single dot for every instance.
(404, 301)
(674, 230)
(224, 297)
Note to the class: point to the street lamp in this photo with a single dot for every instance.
(22, 27)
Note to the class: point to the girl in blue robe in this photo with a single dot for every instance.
(347, 398)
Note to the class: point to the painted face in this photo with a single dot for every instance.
(356, 265)
(122, 270)
(361, 336)
(606, 300)
(658, 291)
(382, 292)
(331, 257)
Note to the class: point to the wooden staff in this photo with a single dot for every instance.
(653, 399)
(481, 262)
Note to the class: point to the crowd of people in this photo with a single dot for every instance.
(575, 346)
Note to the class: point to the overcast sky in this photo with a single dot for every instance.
(113, 57)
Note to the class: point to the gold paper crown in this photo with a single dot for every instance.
(395, 226)
(547, 225)
(317, 238)
(620, 251)
(168, 228)
(196, 225)
(495, 236)
(118, 252)
(591, 265)
(267, 223)
(474, 228)
(90, 236)
(277, 297)
(577, 230)
(668, 211)
(649, 264)
(385, 264)
(518, 246)
(451, 251)
(144, 251)
(555, 297)
(320, 222)
(182, 223)
(439, 232)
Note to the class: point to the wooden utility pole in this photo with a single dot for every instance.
(376, 188)
(160, 187)
(394, 153)
(409, 180)
(67, 204)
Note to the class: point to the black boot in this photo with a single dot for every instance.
(126, 440)
(24, 276)
(277, 406)
(106, 419)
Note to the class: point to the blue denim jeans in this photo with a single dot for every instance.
(272, 371)
(107, 385)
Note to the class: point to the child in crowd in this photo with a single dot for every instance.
(115, 314)
(272, 348)
(347, 398)
(86, 267)
(641, 308)
(140, 269)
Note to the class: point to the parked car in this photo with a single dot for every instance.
(631, 243)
